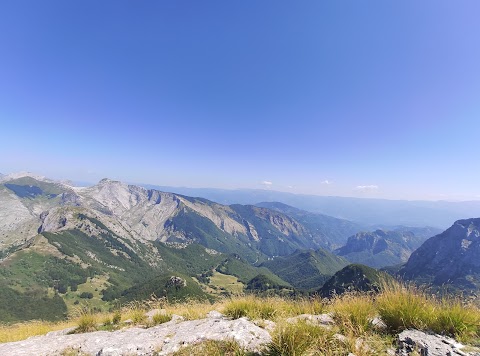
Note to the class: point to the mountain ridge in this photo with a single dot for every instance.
(449, 258)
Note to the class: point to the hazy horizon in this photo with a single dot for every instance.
(179, 189)
(374, 100)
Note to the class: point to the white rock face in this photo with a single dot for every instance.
(417, 342)
(220, 215)
(283, 223)
(17, 223)
(13, 213)
(164, 339)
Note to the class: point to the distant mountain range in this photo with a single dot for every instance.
(32, 204)
(118, 237)
(363, 211)
(111, 242)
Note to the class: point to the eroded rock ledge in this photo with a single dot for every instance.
(159, 340)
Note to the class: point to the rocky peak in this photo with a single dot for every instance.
(364, 241)
(380, 248)
(450, 257)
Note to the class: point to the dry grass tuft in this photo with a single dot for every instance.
(353, 312)
(214, 348)
(22, 331)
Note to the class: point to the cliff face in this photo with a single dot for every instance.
(380, 248)
(451, 257)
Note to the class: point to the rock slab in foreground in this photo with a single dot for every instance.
(160, 340)
(429, 345)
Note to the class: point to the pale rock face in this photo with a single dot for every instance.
(17, 223)
(20, 218)
(56, 219)
(164, 339)
(253, 232)
(142, 212)
(114, 197)
(416, 342)
(220, 215)
(146, 211)
(12, 212)
(283, 223)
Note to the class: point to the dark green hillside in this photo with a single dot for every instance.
(354, 277)
(16, 306)
(234, 265)
(306, 269)
(28, 271)
(174, 286)
(24, 282)
(262, 283)
(191, 260)
(106, 254)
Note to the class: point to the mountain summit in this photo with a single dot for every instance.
(449, 258)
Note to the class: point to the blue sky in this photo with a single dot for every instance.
(353, 98)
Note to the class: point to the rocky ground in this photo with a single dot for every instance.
(167, 338)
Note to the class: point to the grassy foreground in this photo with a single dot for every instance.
(399, 306)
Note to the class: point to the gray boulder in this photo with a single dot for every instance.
(410, 341)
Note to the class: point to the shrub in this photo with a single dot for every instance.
(136, 312)
(161, 318)
(107, 321)
(86, 322)
(117, 317)
(86, 295)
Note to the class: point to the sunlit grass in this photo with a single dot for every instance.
(400, 307)
(21, 331)
(213, 348)
(353, 312)
(457, 320)
(304, 338)
(272, 308)
(406, 306)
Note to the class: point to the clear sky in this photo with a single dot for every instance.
(354, 98)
